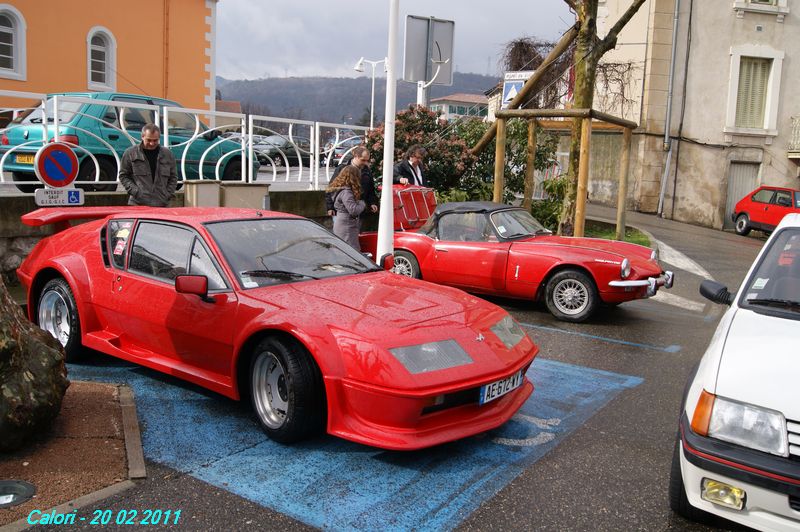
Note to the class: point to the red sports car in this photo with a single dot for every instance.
(489, 248)
(764, 208)
(274, 307)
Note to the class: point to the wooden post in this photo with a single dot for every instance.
(500, 161)
(527, 195)
(583, 176)
(622, 192)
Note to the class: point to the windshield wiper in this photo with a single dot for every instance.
(515, 235)
(277, 274)
(783, 303)
(543, 232)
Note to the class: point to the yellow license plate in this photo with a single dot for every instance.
(24, 158)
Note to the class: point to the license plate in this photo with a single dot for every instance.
(490, 392)
(24, 158)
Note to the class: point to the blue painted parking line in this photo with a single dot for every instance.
(331, 483)
(666, 349)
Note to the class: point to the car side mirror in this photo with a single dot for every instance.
(387, 262)
(211, 134)
(193, 284)
(716, 292)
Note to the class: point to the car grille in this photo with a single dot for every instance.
(794, 502)
(794, 439)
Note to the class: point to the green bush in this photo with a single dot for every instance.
(548, 211)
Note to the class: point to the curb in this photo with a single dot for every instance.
(134, 454)
(653, 240)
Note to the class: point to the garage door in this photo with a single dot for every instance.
(743, 178)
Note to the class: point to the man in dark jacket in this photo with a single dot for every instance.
(147, 171)
(409, 170)
(360, 160)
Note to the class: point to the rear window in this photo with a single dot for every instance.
(66, 112)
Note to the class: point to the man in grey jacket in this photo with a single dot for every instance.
(148, 171)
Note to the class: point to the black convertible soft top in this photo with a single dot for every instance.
(470, 206)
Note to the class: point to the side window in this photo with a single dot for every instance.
(763, 195)
(453, 227)
(797, 200)
(783, 198)
(160, 250)
(201, 264)
(119, 232)
(134, 119)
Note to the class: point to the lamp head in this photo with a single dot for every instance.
(359, 67)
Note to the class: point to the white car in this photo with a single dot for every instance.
(738, 450)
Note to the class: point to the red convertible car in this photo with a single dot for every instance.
(274, 307)
(489, 248)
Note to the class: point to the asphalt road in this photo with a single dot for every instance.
(609, 473)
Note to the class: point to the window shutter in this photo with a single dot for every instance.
(752, 94)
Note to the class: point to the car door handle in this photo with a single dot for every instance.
(113, 137)
(441, 250)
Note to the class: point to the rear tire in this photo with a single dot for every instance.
(742, 226)
(571, 296)
(233, 171)
(108, 172)
(22, 177)
(286, 390)
(405, 263)
(57, 313)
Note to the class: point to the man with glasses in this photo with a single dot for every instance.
(360, 160)
(409, 170)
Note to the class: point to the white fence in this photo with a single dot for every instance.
(248, 148)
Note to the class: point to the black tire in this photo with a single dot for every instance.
(742, 226)
(405, 263)
(233, 171)
(570, 295)
(286, 390)
(22, 177)
(57, 313)
(677, 491)
(108, 172)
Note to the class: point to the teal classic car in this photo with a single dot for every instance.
(109, 127)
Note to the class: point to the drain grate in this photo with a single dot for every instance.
(14, 492)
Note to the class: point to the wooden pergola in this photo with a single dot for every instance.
(533, 116)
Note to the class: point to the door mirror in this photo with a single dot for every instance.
(387, 262)
(211, 134)
(193, 284)
(716, 292)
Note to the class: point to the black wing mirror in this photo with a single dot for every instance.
(716, 292)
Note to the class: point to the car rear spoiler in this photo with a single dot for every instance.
(61, 216)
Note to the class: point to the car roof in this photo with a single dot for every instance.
(790, 220)
(471, 206)
(773, 187)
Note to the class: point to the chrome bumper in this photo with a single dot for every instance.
(666, 280)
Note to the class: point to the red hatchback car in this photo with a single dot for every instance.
(764, 208)
(275, 308)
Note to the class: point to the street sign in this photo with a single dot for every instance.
(56, 165)
(512, 84)
(56, 197)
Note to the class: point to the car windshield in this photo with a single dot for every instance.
(516, 223)
(66, 111)
(774, 285)
(267, 252)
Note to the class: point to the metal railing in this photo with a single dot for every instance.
(247, 148)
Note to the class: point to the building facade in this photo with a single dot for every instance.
(724, 93)
(162, 48)
(461, 105)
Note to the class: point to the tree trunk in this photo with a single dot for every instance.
(33, 377)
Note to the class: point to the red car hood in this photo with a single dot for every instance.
(624, 249)
(392, 299)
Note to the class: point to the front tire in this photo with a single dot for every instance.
(57, 314)
(571, 296)
(677, 491)
(286, 390)
(405, 263)
(742, 226)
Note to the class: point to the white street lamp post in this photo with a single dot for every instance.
(360, 68)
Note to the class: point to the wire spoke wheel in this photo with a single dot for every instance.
(570, 296)
(406, 264)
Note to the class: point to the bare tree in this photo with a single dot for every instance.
(528, 53)
(589, 48)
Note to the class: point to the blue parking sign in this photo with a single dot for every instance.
(74, 197)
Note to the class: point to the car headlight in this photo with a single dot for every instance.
(509, 332)
(432, 356)
(625, 269)
(743, 424)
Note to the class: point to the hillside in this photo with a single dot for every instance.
(334, 99)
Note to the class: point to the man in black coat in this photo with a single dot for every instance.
(409, 170)
(360, 160)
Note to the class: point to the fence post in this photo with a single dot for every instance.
(622, 192)
(527, 195)
(583, 176)
(500, 161)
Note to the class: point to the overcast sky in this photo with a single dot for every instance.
(259, 39)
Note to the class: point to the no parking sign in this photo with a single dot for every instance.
(56, 165)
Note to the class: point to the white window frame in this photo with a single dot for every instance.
(773, 90)
(111, 59)
(20, 59)
(780, 8)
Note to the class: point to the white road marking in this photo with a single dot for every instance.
(674, 257)
(542, 437)
(662, 296)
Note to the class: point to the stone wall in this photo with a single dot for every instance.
(17, 239)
